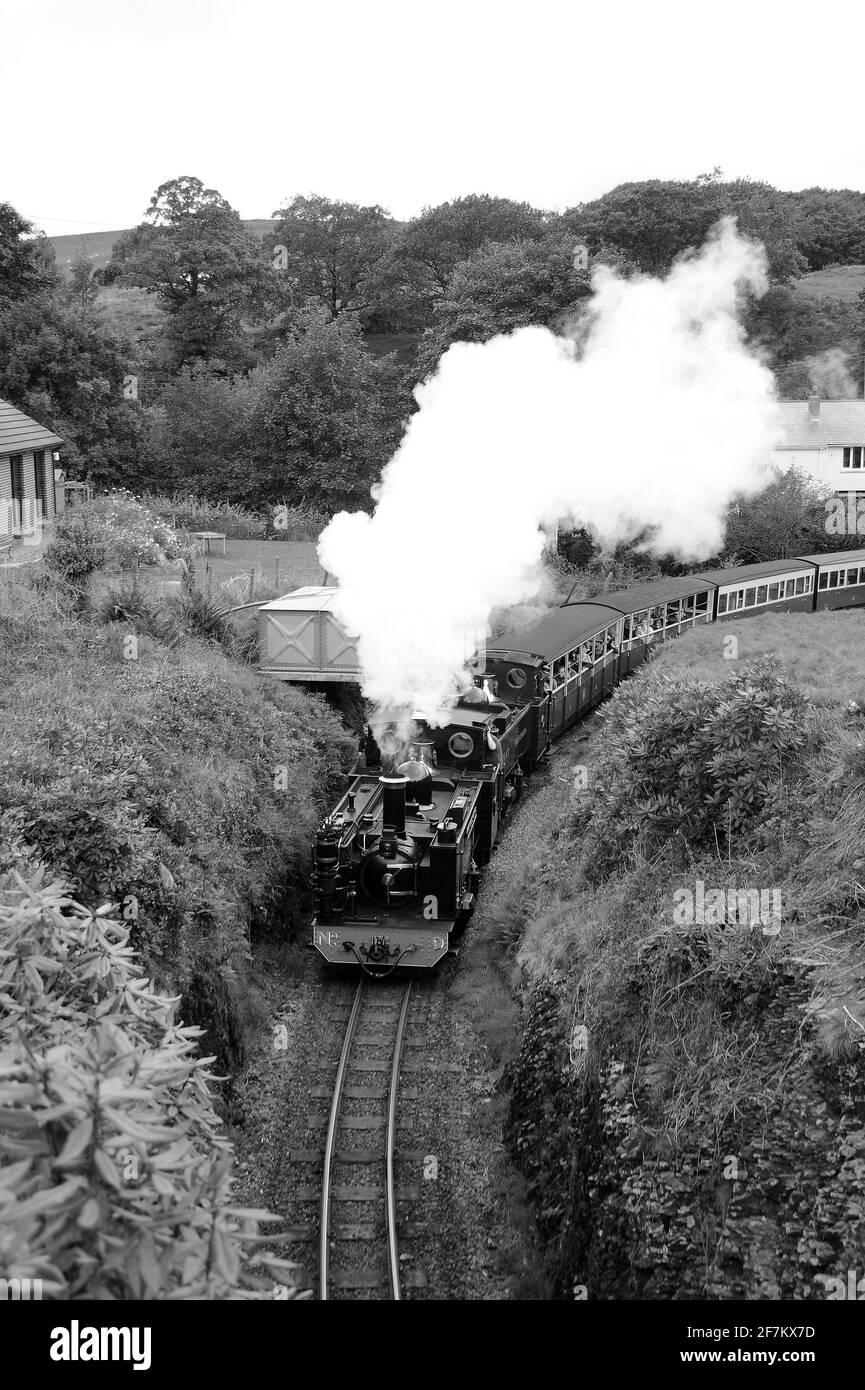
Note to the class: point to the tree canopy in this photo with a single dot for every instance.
(193, 252)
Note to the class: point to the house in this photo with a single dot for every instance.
(825, 439)
(28, 453)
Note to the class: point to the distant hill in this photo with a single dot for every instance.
(835, 282)
(99, 245)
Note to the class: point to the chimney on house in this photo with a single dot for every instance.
(814, 407)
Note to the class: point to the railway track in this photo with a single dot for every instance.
(360, 1258)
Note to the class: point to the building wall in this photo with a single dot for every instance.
(825, 465)
(10, 524)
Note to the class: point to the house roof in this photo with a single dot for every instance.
(19, 434)
(556, 632)
(740, 573)
(839, 423)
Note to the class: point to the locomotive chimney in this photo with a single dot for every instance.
(814, 407)
(393, 802)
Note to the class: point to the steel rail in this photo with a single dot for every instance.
(390, 1218)
(336, 1101)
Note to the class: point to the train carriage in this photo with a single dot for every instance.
(656, 611)
(771, 586)
(564, 663)
(840, 578)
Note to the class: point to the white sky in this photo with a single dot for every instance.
(406, 103)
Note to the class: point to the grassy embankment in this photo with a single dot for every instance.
(148, 766)
(686, 1103)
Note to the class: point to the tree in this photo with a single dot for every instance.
(327, 418)
(445, 235)
(333, 248)
(82, 287)
(503, 287)
(787, 518)
(200, 435)
(67, 372)
(831, 226)
(194, 253)
(26, 261)
(790, 326)
(655, 221)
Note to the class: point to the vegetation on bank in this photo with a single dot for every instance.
(685, 1102)
(114, 1176)
(148, 768)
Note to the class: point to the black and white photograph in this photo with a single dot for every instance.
(432, 682)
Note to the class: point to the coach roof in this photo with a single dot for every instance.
(653, 593)
(557, 631)
(838, 557)
(741, 574)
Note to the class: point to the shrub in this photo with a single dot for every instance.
(78, 546)
(192, 513)
(115, 1178)
(133, 533)
(687, 759)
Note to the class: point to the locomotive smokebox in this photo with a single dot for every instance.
(393, 802)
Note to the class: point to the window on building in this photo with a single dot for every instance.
(853, 456)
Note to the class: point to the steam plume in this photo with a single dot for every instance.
(659, 419)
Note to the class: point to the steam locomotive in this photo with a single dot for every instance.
(397, 863)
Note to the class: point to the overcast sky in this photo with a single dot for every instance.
(407, 104)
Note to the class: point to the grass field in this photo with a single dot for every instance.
(835, 282)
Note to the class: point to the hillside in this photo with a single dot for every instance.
(98, 245)
(835, 282)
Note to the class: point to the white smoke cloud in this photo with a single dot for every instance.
(829, 375)
(659, 420)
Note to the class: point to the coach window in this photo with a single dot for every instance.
(722, 603)
(791, 588)
(761, 593)
(823, 580)
(852, 576)
(833, 579)
(773, 592)
(559, 672)
(750, 597)
(800, 585)
(862, 576)
(689, 607)
(703, 602)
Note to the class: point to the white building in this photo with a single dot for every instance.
(825, 439)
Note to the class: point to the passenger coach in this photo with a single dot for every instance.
(782, 585)
(840, 578)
